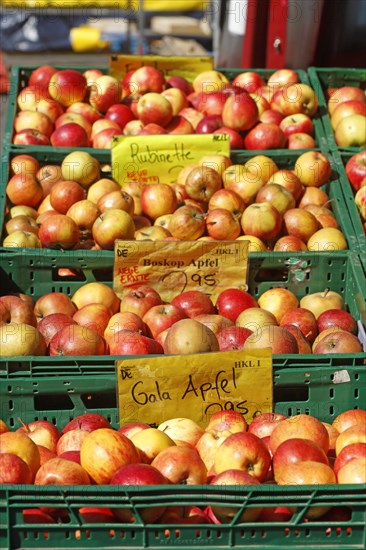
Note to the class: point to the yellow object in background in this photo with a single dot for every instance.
(84, 39)
(148, 5)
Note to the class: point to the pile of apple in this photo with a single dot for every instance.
(272, 449)
(94, 321)
(68, 108)
(356, 173)
(73, 206)
(347, 111)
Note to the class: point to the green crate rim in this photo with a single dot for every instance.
(315, 74)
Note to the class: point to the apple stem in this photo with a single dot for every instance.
(325, 292)
(23, 424)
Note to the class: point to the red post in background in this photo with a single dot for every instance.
(277, 34)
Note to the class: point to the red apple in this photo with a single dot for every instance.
(119, 113)
(45, 454)
(277, 195)
(208, 124)
(345, 93)
(77, 340)
(296, 450)
(356, 170)
(264, 423)
(104, 139)
(105, 92)
(24, 189)
(180, 82)
(265, 135)
(41, 76)
(104, 451)
(48, 175)
(59, 231)
(14, 469)
(240, 112)
(131, 428)
(300, 140)
(138, 474)
(181, 464)
(193, 303)
(143, 80)
(271, 116)
(235, 138)
(248, 80)
(17, 443)
(261, 220)
(53, 302)
(158, 199)
(111, 225)
(351, 451)
(161, 317)
(71, 441)
(300, 426)
(86, 110)
(227, 422)
(353, 471)
(140, 299)
(178, 125)
(42, 432)
(128, 342)
(187, 223)
(337, 318)
(94, 316)
(64, 194)
(304, 319)
(243, 451)
(88, 422)
(33, 120)
(15, 310)
(296, 123)
(70, 135)
(232, 301)
(67, 86)
(30, 137)
(59, 471)
(232, 338)
(154, 107)
(116, 199)
(349, 418)
(338, 341)
(222, 225)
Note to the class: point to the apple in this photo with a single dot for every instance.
(104, 139)
(77, 118)
(208, 444)
(360, 201)
(152, 233)
(21, 223)
(182, 429)
(327, 239)
(223, 225)
(117, 199)
(248, 80)
(133, 128)
(210, 81)
(282, 77)
(105, 92)
(59, 231)
(14, 309)
(337, 318)
(193, 303)
(353, 434)
(299, 426)
(70, 135)
(265, 135)
(104, 124)
(226, 421)
(143, 80)
(95, 316)
(45, 454)
(177, 125)
(240, 112)
(100, 188)
(261, 167)
(353, 471)
(123, 320)
(351, 131)
(135, 475)
(24, 164)
(177, 98)
(313, 168)
(177, 81)
(41, 76)
(22, 210)
(356, 170)
(300, 140)
(130, 428)
(347, 108)
(298, 122)
(86, 110)
(261, 220)
(345, 93)
(29, 96)
(104, 451)
(42, 432)
(300, 223)
(161, 317)
(24, 189)
(232, 301)
(30, 137)
(264, 423)
(128, 342)
(289, 243)
(81, 167)
(71, 441)
(303, 319)
(354, 450)
(232, 338)
(236, 140)
(140, 299)
(180, 464)
(83, 213)
(88, 422)
(271, 116)
(208, 124)
(48, 175)
(349, 418)
(150, 442)
(154, 107)
(59, 471)
(214, 321)
(119, 113)
(255, 318)
(279, 339)
(289, 180)
(22, 239)
(296, 98)
(294, 450)
(278, 301)
(338, 341)
(236, 478)
(262, 104)
(277, 195)
(158, 199)
(202, 182)
(243, 451)
(19, 444)
(14, 469)
(190, 336)
(111, 225)
(67, 86)
(77, 340)
(188, 223)
(21, 339)
(53, 302)
(323, 214)
(278, 514)
(64, 194)
(33, 120)
(3, 427)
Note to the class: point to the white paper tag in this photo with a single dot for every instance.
(341, 376)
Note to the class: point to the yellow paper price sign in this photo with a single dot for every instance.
(172, 267)
(187, 66)
(153, 389)
(151, 160)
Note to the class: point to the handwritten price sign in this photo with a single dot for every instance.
(151, 160)
(172, 267)
(153, 389)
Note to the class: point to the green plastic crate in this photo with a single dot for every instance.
(284, 159)
(37, 273)
(296, 533)
(341, 159)
(323, 78)
(19, 78)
